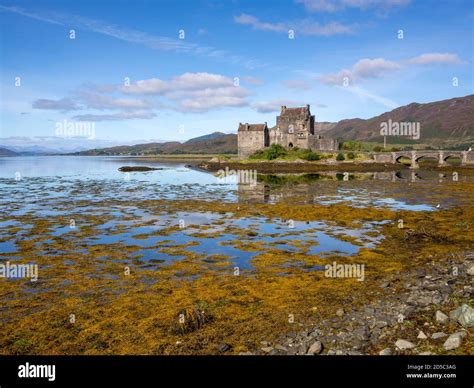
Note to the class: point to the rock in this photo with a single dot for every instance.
(425, 354)
(281, 347)
(404, 344)
(340, 312)
(438, 335)
(137, 168)
(245, 354)
(224, 347)
(385, 285)
(470, 269)
(315, 348)
(385, 352)
(453, 341)
(422, 335)
(214, 160)
(303, 349)
(464, 315)
(291, 335)
(441, 317)
(267, 349)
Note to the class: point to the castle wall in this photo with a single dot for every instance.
(323, 144)
(251, 141)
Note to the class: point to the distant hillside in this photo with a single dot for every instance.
(6, 152)
(215, 143)
(446, 122)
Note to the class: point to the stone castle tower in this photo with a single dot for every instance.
(294, 128)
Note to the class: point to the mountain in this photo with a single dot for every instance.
(442, 123)
(211, 136)
(7, 152)
(215, 143)
(447, 123)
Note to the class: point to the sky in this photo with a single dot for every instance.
(123, 72)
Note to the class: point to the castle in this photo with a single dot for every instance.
(294, 128)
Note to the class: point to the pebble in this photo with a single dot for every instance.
(224, 347)
(385, 352)
(438, 335)
(404, 344)
(464, 315)
(441, 317)
(315, 348)
(453, 342)
(422, 335)
(470, 270)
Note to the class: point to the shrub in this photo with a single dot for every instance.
(351, 155)
(377, 149)
(351, 145)
(275, 151)
(308, 155)
(340, 157)
(312, 156)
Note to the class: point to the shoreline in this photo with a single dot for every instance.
(313, 167)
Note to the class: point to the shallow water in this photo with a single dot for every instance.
(55, 187)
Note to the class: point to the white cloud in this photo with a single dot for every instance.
(116, 116)
(274, 105)
(440, 58)
(193, 92)
(100, 101)
(339, 5)
(188, 92)
(63, 104)
(304, 27)
(184, 82)
(374, 68)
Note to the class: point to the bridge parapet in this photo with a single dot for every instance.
(467, 157)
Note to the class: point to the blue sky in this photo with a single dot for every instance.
(237, 62)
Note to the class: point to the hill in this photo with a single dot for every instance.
(448, 123)
(7, 152)
(214, 143)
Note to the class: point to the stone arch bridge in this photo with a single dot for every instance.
(467, 157)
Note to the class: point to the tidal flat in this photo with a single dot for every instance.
(177, 261)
